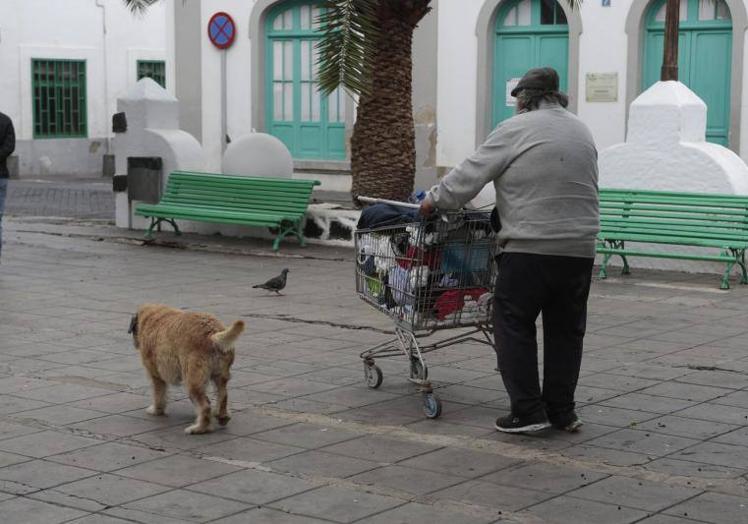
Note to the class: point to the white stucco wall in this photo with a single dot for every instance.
(108, 38)
(666, 148)
(456, 75)
(604, 47)
(603, 50)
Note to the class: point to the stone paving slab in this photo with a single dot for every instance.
(80, 198)
(663, 391)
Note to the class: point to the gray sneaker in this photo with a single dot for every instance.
(572, 424)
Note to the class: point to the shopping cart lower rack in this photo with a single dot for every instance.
(427, 276)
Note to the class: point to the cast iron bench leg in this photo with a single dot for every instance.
(741, 262)
(149, 232)
(726, 277)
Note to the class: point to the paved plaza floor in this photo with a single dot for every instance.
(664, 395)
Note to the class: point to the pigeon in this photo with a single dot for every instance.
(275, 283)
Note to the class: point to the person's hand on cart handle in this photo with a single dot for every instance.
(427, 207)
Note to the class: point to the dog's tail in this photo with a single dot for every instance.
(226, 338)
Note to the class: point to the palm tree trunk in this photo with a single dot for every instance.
(670, 58)
(383, 158)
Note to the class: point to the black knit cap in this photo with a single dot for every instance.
(540, 79)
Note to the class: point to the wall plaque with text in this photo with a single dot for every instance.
(602, 87)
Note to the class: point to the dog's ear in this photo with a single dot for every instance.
(133, 325)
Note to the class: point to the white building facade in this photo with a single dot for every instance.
(613, 53)
(467, 55)
(62, 66)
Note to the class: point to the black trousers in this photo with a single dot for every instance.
(557, 287)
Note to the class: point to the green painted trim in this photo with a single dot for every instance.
(534, 30)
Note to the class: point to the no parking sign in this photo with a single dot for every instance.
(222, 30)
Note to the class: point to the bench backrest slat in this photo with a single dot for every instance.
(671, 214)
(232, 193)
(660, 195)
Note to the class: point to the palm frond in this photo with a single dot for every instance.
(140, 6)
(348, 45)
(574, 4)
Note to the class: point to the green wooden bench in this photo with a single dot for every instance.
(277, 203)
(677, 219)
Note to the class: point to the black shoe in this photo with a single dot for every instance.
(570, 423)
(514, 424)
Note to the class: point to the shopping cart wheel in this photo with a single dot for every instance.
(432, 406)
(372, 375)
(418, 370)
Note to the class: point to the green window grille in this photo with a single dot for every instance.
(59, 88)
(155, 69)
(312, 126)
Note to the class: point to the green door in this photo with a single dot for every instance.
(704, 57)
(529, 33)
(311, 125)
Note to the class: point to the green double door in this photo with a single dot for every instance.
(704, 57)
(529, 33)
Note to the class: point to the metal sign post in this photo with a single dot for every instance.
(222, 33)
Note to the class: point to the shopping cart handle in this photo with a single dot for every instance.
(370, 200)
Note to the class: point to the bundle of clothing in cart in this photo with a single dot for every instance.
(431, 273)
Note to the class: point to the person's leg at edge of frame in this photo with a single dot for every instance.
(564, 326)
(518, 299)
(3, 191)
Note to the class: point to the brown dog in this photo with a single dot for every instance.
(195, 348)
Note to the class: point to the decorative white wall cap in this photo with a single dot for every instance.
(147, 89)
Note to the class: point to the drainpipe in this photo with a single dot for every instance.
(102, 5)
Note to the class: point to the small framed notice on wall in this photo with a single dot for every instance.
(602, 87)
(606, 3)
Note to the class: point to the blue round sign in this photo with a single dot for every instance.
(222, 30)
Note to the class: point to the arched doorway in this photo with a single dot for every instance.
(311, 125)
(705, 50)
(529, 33)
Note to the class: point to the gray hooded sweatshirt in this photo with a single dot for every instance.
(543, 164)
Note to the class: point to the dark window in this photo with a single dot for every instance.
(155, 69)
(551, 13)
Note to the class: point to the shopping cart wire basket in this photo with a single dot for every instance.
(427, 275)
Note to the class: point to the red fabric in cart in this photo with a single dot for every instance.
(452, 301)
(415, 256)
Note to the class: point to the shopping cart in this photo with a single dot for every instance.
(427, 276)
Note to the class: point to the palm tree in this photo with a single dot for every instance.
(367, 48)
(670, 56)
